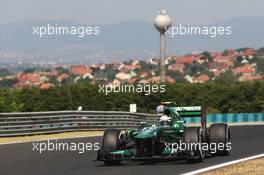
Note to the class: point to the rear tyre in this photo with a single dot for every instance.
(193, 137)
(219, 133)
(111, 142)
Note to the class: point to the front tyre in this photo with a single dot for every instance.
(111, 142)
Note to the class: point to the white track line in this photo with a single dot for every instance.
(223, 165)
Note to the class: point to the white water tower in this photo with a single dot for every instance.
(162, 23)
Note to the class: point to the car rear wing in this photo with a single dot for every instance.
(192, 111)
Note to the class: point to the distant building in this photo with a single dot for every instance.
(143, 81)
(188, 78)
(153, 61)
(116, 82)
(246, 70)
(132, 80)
(80, 70)
(156, 79)
(28, 80)
(62, 77)
(201, 78)
(250, 78)
(135, 62)
(248, 53)
(123, 76)
(187, 59)
(224, 61)
(46, 86)
(144, 74)
(177, 67)
(231, 52)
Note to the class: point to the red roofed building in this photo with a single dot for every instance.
(226, 61)
(62, 77)
(249, 52)
(217, 72)
(21, 85)
(246, 70)
(201, 78)
(231, 52)
(216, 68)
(133, 67)
(80, 70)
(28, 80)
(177, 67)
(115, 64)
(187, 59)
(250, 78)
(170, 79)
(31, 77)
(46, 86)
(215, 54)
(144, 74)
(53, 73)
(156, 79)
(132, 80)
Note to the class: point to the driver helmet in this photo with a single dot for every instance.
(160, 109)
(165, 120)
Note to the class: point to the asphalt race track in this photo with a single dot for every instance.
(20, 159)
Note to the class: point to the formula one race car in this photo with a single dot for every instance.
(170, 138)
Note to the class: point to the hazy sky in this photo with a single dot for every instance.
(112, 11)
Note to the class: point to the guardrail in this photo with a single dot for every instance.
(30, 123)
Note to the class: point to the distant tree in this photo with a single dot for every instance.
(241, 49)
(208, 56)
(239, 58)
(259, 62)
(225, 52)
(260, 65)
(62, 70)
(177, 76)
(147, 67)
(197, 69)
(4, 72)
(237, 62)
(226, 78)
(260, 51)
(29, 70)
(108, 73)
(221, 97)
(7, 83)
(9, 101)
(212, 110)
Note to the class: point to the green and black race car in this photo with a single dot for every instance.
(170, 138)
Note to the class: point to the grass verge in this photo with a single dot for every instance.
(50, 136)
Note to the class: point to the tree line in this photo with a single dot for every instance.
(236, 97)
